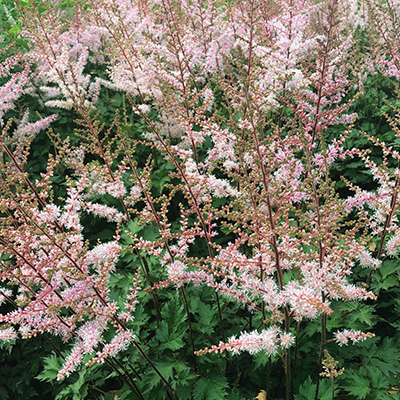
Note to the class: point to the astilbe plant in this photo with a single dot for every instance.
(237, 99)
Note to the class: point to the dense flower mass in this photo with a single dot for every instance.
(215, 170)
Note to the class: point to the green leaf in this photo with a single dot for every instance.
(80, 387)
(153, 379)
(206, 317)
(211, 388)
(133, 226)
(52, 365)
(308, 389)
(23, 43)
(183, 375)
(173, 327)
(170, 338)
(359, 387)
(386, 276)
(4, 393)
(14, 30)
(173, 312)
(384, 357)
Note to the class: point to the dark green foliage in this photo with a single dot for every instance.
(211, 388)
(308, 389)
(370, 107)
(19, 367)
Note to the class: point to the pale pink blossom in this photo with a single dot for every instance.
(90, 334)
(49, 214)
(101, 210)
(105, 253)
(8, 334)
(116, 189)
(266, 341)
(176, 271)
(367, 260)
(393, 244)
(286, 340)
(135, 193)
(17, 85)
(119, 343)
(220, 187)
(290, 258)
(343, 337)
(72, 361)
(26, 129)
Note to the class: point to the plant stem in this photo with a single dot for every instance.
(323, 341)
(190, 326)
(171, 391)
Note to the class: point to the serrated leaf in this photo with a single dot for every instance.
(52, 366)
(386, 277)
(173, 312)
(183, 375)
(206, 317)
(133, 226)
(150, 232)
(378, 380)
(80, 387)
(359, 386)
(308, 389)
(152, 379)
(170, 338)
(211, 388)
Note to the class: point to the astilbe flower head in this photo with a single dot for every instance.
(62, 282)
(267, 341)
(343, 337)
